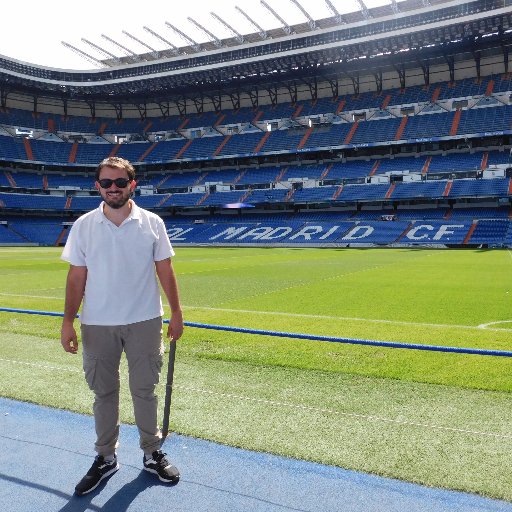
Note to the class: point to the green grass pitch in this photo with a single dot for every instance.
(438, 419)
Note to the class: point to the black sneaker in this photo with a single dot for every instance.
(159, 465)
(100, 469)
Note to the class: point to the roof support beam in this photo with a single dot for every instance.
(65, 107)
(450, 60)
(217, 102)
(142, 43)
(425, 67)
(378, 80)
(400, 69)
(235, 100)
(262, 33)
(334, 12)
(505, 56)
(335, 89)
(254, 97)
(84, 55)
(142, 108)
(313, 89)
(100, 49)
(216, 41)
(239, 37)
(477, 55)
(287, 29)
(199, 104)
(129, 52)
(165, 109)
(92, 108)
(354, 77)
(311, 21)
(364, 9)
(292, 90)
(272, 93)
(3, 97)
(158, 36)
(184, 36)
(182, 106)
(119, 110)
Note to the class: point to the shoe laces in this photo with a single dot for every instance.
(100, 462)
(159, 458)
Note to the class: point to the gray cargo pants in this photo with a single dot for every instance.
(102, 348)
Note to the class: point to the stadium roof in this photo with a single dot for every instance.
(394, 37)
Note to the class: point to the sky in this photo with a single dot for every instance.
(32, 31)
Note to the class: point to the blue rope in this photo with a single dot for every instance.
(313, 337)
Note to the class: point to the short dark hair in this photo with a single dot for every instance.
(118, 163)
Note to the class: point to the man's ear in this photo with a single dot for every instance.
(97, 186)
(133, 184)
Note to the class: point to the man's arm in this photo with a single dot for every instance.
(167, 278)
(75, 287)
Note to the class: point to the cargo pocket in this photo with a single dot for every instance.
(89, 365)
(156, 364)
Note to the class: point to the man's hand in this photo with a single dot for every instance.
(175, 329)
(68, 338)
(167, 279)
(75, 286)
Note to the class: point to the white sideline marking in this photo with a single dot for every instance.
(3, 294)
(43, 366)
(346, 414)
(485, 326)
(355, 319)
(294, 406)
(305, 315)
(18, 274)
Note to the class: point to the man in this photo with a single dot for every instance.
(115, 254)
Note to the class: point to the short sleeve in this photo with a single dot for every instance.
(163, 248)
(73, 252)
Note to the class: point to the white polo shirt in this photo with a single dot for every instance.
(122, 286)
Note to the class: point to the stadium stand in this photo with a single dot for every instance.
(387, 150)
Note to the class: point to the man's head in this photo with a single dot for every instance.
(115, 181)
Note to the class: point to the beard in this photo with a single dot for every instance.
(116, 202)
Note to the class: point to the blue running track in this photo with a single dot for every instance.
(44, 452)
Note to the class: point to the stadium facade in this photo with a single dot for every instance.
(382, 127)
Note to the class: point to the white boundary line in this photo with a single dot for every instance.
(305, 315)
(3, 294)
(485, 326)
(355, 319)
(346, 414)
(299, 407)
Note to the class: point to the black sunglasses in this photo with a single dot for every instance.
(120, 182)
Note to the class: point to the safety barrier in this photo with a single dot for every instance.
(312, 337)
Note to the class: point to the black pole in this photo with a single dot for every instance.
(168, 391)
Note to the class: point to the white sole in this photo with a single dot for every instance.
(155, 472)
(107, 474)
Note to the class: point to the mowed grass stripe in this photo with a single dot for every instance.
(305, 274)
(405, 290)
(272, 403)
(458, 370)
